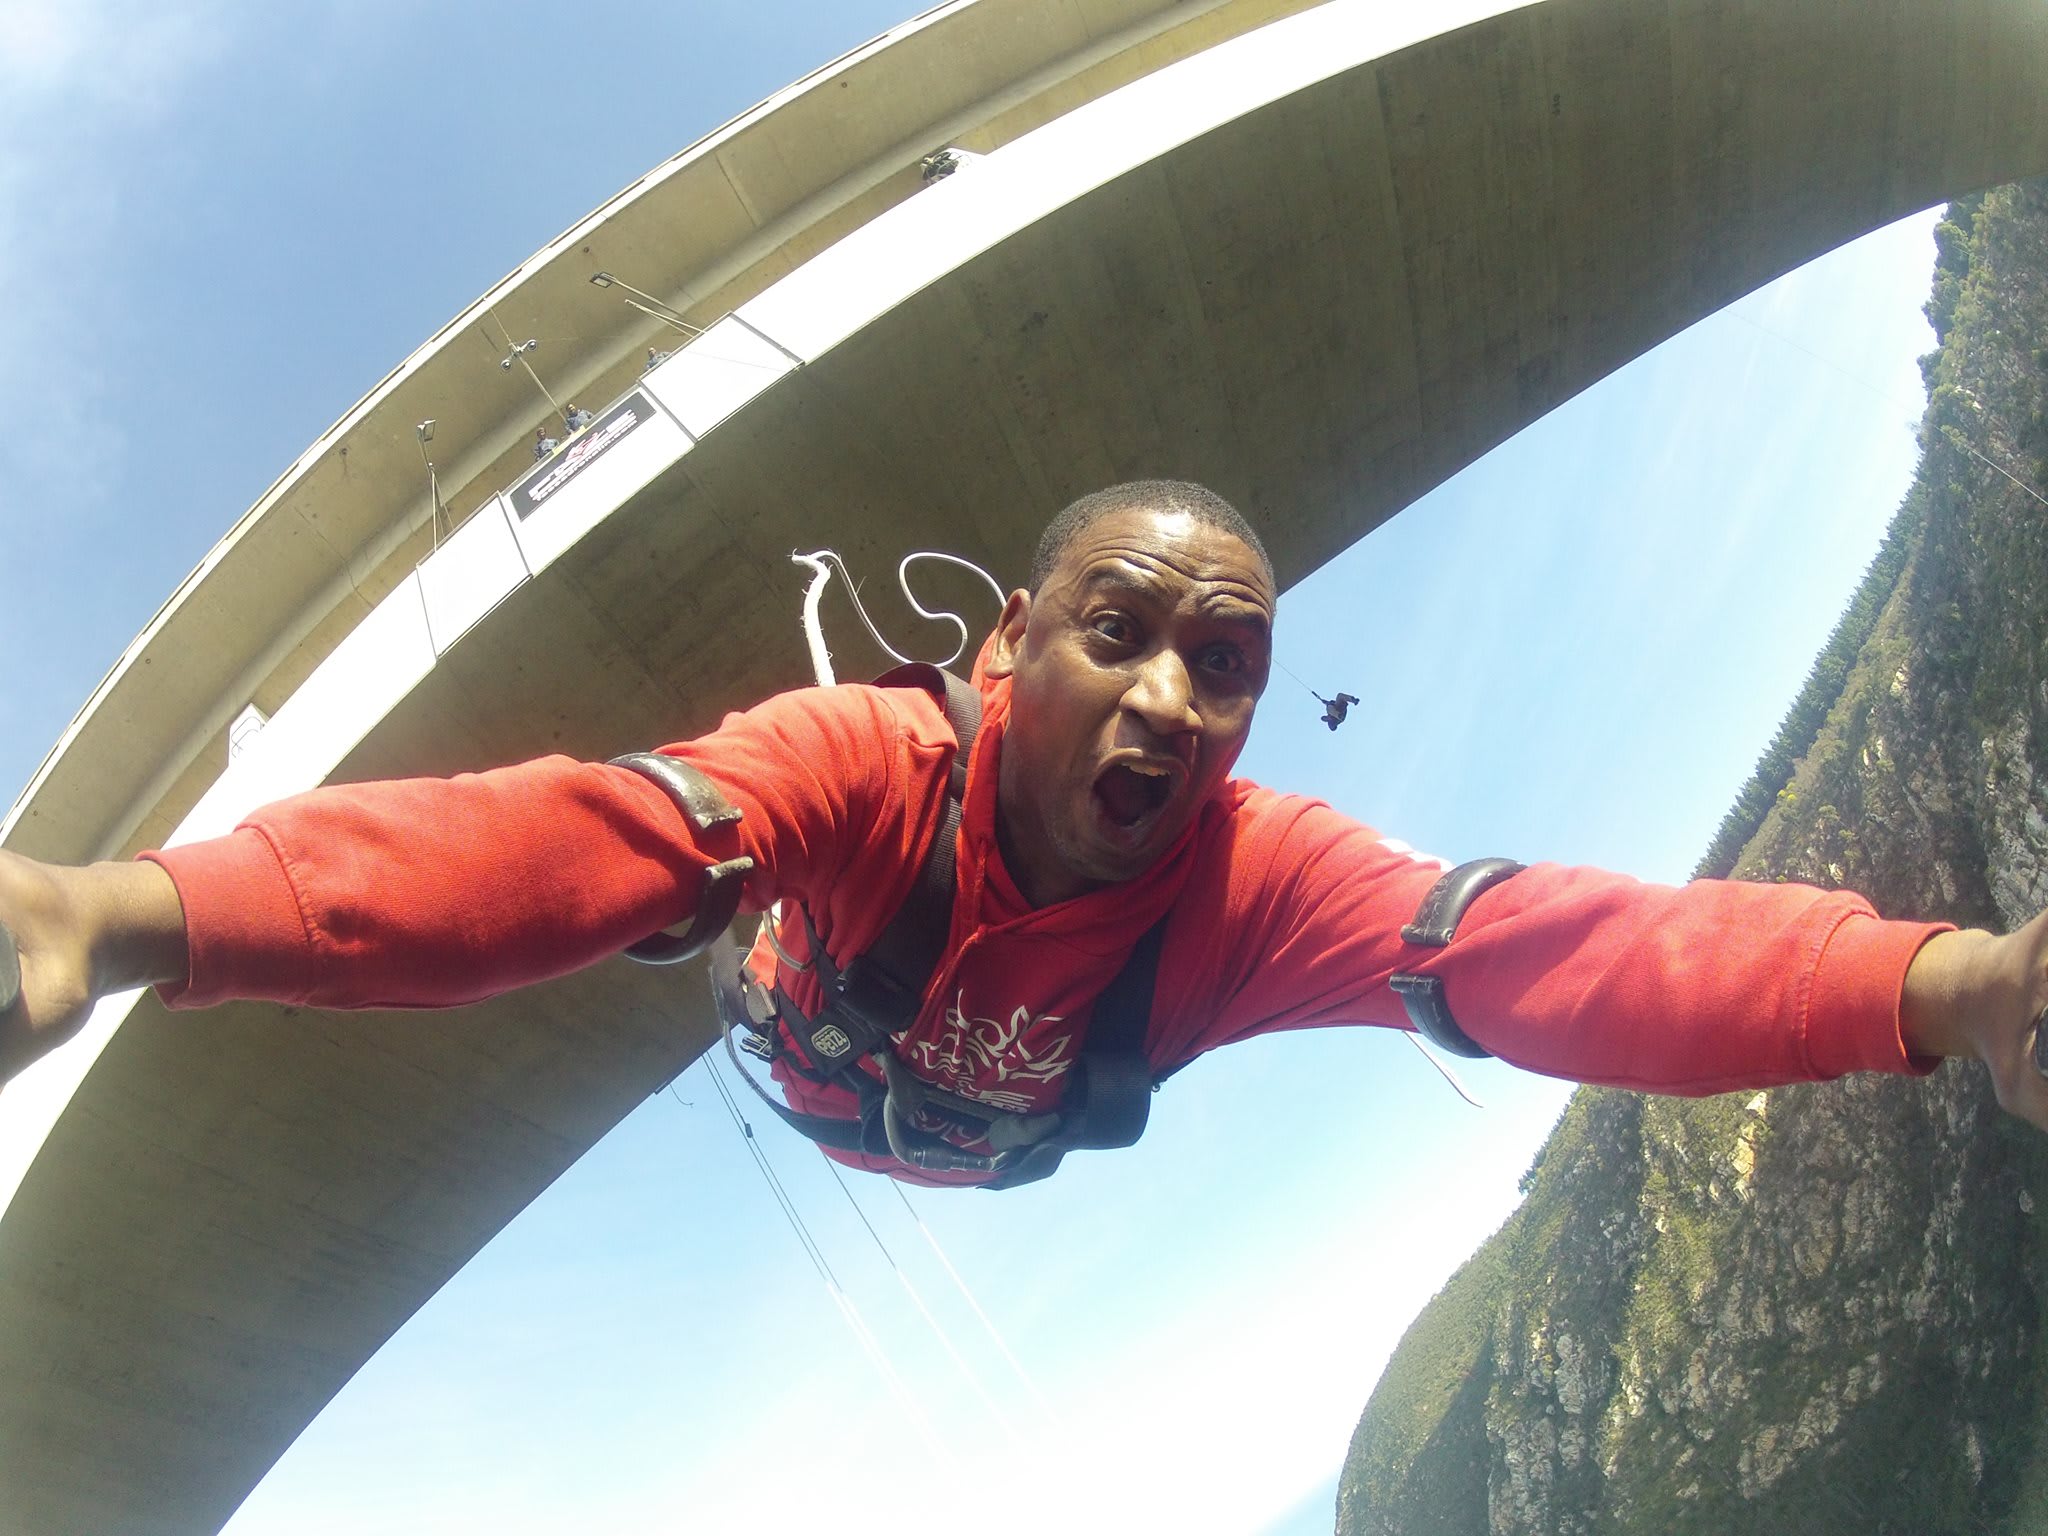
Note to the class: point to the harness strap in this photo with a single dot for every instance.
(878, 993)
(1109, 1093)
(1436, 923)
(909, 947)
(705, 806)
(880, 990)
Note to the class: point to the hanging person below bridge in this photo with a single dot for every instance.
(962, 926)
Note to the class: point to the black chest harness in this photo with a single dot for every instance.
(878, 994)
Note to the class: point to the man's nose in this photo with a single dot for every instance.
(1163, 695)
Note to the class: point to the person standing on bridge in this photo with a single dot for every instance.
(1097, 821)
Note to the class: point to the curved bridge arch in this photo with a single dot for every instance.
(1320, 265)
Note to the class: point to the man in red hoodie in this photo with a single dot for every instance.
(1116, 693)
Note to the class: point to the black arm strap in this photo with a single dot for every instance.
(10, 970)
(1436, 923)
(704, 806)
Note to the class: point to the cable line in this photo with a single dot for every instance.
(1963, 443)
(1297, 677)
(987, 1323)
(789, 1212)
(1954, 437)
(863, 1335)
(973, 1378)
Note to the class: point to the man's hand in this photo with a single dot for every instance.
(1976, 994)
(79, 935)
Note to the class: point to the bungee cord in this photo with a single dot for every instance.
(1297, 677)
(822, 562)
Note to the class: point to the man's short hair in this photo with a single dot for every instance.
(1197, 501)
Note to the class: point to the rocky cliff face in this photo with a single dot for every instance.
(1816, 1309)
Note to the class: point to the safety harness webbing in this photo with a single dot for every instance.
(877, 994)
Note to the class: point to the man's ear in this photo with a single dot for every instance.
(1009, 635)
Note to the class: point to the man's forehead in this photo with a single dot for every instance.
(1151, 547)
(1233, 597)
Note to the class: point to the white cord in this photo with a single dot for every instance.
(821, 563)
(814, 631)
(903, 585)
(1045, 1407)
(1442, 1066)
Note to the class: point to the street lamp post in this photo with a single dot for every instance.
(424, 432)
(518, 355)
(660, 311)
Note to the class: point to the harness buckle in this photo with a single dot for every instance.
(902, 1096)
(869, 1004)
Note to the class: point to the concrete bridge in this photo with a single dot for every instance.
(1320, 256)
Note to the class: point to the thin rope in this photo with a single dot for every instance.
(1953, 436)
(946, 615)
(987, 1322)
(1442, 1066)
(863, 1335)
(1304, 686)
(945, 1340)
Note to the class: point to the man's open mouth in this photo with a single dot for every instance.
(1130, 794)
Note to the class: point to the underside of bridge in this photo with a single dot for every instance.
(1323, 306)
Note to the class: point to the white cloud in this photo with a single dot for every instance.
(124, 56)
(81, 83)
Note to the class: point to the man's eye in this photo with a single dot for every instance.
(1112, 626)
(1224, 659)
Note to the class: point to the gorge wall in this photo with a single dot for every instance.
(1816, 1309)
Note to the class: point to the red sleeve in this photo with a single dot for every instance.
(433, 892)
(1576, 973)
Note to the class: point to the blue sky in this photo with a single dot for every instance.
(223, 222)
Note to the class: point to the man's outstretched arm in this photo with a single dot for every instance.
(1594, 977)
(412, 893)
(1978, 994)
(434, 893)
(80, 935)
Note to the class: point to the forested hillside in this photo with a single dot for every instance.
(1817, 1309)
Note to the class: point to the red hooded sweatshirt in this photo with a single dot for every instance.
(1283, 914)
